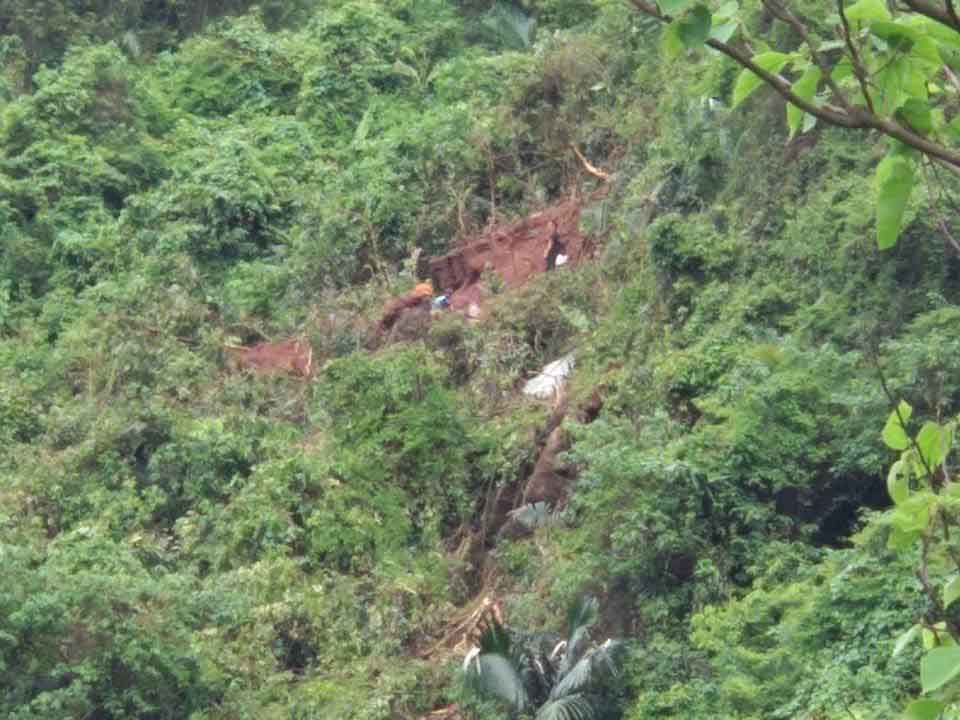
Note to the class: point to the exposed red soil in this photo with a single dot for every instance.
(417, 299)
(515, 252)
(292, 356)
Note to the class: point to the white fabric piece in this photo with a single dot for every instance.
(548, 384)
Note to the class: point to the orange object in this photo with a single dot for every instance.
(424, 289)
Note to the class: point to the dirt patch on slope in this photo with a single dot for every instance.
(288, 356)
(515, 252)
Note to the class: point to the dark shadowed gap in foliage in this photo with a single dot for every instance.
(835, 517)
(294, 653)
(841, 516)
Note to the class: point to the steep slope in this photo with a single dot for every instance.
(185, 540)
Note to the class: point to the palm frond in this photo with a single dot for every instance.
(574, 679)
(609, 656)
(571, 707)
(532, 515)
(509, 26)
(581, 615)
(495, 675)
(539, 676)
(598, 663)
(495, 639)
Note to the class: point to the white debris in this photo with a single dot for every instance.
(562, 260)
(472, 656)
(548, 384)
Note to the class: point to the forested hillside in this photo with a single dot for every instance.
(741, 504)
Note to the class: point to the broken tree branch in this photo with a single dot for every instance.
(589, 167)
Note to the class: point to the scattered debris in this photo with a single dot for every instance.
(291, 356)
(464, 631)
(515, 252)
(525, 519)
(417, 300)
(450, 712)
(548, 385)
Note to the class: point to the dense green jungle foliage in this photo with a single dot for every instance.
(180, 540)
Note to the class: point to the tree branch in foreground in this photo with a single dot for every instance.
(947, 16)
(853, 117)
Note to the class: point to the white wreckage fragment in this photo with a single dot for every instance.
(548, 384)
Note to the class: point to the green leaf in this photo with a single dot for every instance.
(747, 81)
(894, 185)
(724, 32)
(939, 32)
(842, 70)
(804, 88)
(938, 667)
(570, 707)
(672, 44)
(905, 639)
(494, 675)
(951, 591)
(910, 519)
(868, 10)
(694, 27)
(672, 7)
(728, 10)
(894, 434)
(917, 114)
(924, 710)
(897, 483)
(932, 443)
(899, 541)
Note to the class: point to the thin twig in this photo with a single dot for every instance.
(952, 77)
(951, 551)
(931, 592)
(858, 68)
(903, 424)
(781, 12)
(940, 220)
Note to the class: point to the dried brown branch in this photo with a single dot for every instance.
(588, 166)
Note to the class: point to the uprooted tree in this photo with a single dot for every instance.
(889, 67)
